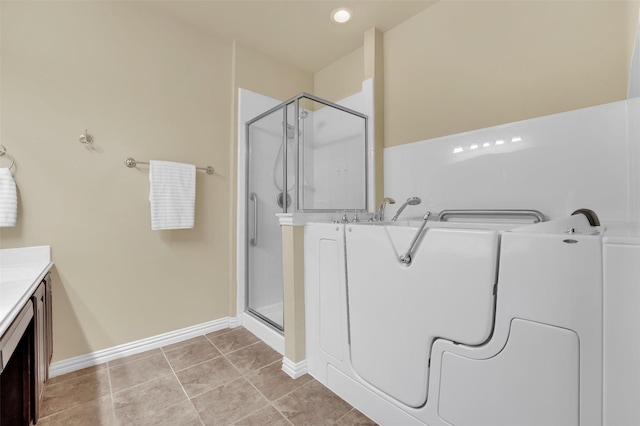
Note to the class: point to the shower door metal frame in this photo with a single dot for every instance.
(296, 204)
(247, 308)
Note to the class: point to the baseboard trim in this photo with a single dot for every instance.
(294, 369)
(89, 360)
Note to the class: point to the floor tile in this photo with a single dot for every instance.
(229, 403)
(134, 357)
(182, 414)
(139, 371)
(76, 391)
(236, 339)
(100, 411)
(206, 376)
(183, 343)
(274, 383)
(147, 399)
(253, 357)
(221, 331)
(355, 418)
(194, 352)
(154, 387)
(77, 373)
(266, 416)
(312, 404)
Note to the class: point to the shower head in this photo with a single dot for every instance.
(413, 201)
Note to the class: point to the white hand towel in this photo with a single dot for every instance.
(8, 199)
(172, 194)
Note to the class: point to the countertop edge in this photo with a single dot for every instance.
(15, 310)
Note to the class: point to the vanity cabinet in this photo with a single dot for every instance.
(25, 354)
(43, 347)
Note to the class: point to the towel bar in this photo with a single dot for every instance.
(131, 162)
(3, 151)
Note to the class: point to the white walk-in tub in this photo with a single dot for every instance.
(489, 325)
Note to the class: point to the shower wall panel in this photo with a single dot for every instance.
(556, 164)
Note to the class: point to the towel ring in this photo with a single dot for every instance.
(3, 151)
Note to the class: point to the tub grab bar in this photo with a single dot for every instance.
(534, 214)
(406, 257)
(254, 240)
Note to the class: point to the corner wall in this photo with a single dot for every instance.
(464, 65)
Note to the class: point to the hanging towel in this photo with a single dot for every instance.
(8, 199)
(172, 195)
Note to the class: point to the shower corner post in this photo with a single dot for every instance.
(374, 71)
(294, 361)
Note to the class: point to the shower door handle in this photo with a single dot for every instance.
(254, 240)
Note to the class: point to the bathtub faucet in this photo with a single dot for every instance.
(380, 213)
(413, 201)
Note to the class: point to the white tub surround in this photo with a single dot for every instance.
(21, 271)
(556, 164)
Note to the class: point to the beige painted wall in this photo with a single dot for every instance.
(341, 79)
(143, 87)
(261, 73)
(464, 65)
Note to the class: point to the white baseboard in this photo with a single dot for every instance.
(294, 369)
(83, 361)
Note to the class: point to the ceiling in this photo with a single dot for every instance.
(298, 32)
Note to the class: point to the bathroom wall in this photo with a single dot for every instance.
(341, 79)
(464, 65)
(144, 87)
(634, 71)
(585, 158)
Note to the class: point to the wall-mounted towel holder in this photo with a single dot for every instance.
(3, 151)
(86, 139)
(131, 163)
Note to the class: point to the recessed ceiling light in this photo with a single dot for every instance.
(341, 15)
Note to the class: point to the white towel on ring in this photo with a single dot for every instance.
(8, 199)
(172, 195)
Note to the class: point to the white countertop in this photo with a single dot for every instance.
(21, 271)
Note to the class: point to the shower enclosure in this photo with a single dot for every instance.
(304, 155)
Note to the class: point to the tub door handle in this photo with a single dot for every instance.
(406, 257)
(254, 240)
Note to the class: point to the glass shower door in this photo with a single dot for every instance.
(266, 183)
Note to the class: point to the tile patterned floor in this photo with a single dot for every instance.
(229, 377)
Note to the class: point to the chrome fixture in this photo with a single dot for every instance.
(253, 241)
(533, 214)
(406, 257)
(3, 151)
(379, 216)
(413, 201)
(132, 162)
(86, 138)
